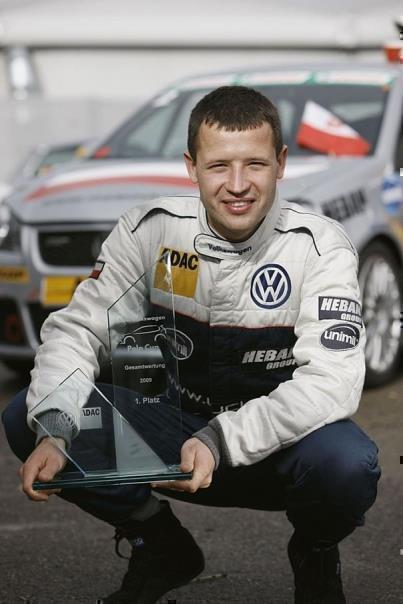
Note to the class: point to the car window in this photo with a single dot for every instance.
(56, 156)
(360, 107)
(160, 130)
(147, 137)
(176, 142)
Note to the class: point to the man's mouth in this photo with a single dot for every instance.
(238, 206)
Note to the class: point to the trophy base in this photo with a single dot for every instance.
(77, 480)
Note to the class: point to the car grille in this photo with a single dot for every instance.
(71, 248)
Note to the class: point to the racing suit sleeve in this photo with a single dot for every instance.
(326, 385)
(77, 336)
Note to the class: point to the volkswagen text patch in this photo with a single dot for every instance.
(340, 309)
(340, 337)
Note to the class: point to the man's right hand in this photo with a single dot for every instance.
(43, 464)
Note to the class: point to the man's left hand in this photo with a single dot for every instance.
(196, 457)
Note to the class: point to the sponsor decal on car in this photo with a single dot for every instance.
(392, 194)
(366, 78)
(57, 291)
(212, 81)
(184, 267)
(340, 337)
(273, 78)
(344, 207)
(340, 309)
(271, 286)
(14, 274)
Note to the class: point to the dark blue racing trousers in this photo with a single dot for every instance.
(325, 482)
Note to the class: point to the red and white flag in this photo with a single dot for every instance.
(97, 270)
(320, 130)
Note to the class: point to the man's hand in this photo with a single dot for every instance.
(44, 462)
(196, 457)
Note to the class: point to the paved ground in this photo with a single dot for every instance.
(52, 553)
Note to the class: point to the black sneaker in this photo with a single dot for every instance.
(164, 556)
(317, 573)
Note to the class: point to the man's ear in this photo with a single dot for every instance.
(281, 161)
(191, 168)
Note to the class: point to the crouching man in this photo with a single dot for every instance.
(274, 376)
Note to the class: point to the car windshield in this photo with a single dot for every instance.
(160, 129)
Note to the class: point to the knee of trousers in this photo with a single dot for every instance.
(348, 479)
(20, 438)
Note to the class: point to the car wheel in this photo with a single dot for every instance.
(381, 286)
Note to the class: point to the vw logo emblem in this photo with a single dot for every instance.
(271, 286)
(65, 421)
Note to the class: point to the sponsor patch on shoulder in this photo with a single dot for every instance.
(184, 267)
(340, 309)
(340, 337)
(97, 270)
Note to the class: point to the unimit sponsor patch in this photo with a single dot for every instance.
(340, 337)
(339, 309)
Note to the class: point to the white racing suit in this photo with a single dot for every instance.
(273, 339)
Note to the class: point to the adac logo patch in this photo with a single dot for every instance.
(340, 337)
(91, 418)
(271, 286)
(184, 272)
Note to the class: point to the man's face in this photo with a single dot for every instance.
(237, 174)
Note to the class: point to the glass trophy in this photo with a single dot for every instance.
(130, 431)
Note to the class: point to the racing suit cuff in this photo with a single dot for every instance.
(49, 424)
(211, 439)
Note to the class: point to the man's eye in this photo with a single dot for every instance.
(257, 163)
(217, 166)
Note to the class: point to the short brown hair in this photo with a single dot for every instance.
(234, 108)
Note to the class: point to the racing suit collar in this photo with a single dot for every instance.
(210, 244)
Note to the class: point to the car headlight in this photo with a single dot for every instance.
(9, 230)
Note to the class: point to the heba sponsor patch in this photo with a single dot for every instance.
(339, 309)
(340, 337)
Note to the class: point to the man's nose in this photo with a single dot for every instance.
(237, 181)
